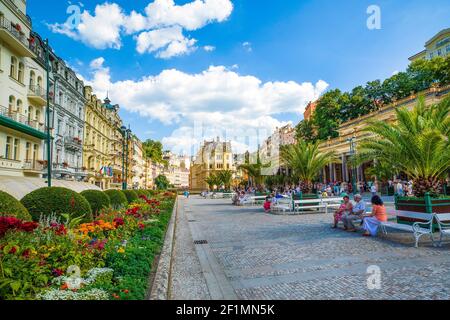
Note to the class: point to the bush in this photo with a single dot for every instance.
(98, 200)
(117, 198)
(131, 195)
(55, 200)
(10, 206)
(141, 193)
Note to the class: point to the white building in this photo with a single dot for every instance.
(68, 103)
(177, 171)
(23, 96)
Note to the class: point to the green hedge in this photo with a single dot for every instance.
(117, 198)
(10, 206)
(131, 195)
(55, 200)
(98, 200)
(141, 193)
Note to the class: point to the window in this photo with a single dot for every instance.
(8, 147)
(13, 68)
(20, 75)
(19, 106)
(11, 106)
(27, 151)
(38, 115)
(439, 52)
(35, 152)
(32, 79)
(39, 82)
(447, 48)
(431, 55)
(16, 149)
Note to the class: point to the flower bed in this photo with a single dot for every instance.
(109, 258)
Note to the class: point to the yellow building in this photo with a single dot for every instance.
(352, 132)
(212, 157)
(437, 46)
(102, 150)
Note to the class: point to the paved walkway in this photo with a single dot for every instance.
(252, 255)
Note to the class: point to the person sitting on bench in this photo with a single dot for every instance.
(359, 209)
(372, 221)
(345, 208)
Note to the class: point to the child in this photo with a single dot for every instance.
(267, 205)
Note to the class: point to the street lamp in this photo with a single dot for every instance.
(353, 153)
(48, 139)
(126, 134)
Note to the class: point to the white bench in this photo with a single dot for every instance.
(253, 200)
(299, 205)
(282, 205)
(444, 227)
(419, 229)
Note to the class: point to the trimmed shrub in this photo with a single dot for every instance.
(141, 193)
(98, 200)
(56, 200)
(117, 198)
(10, 206)
(131, 195)
(151, 193)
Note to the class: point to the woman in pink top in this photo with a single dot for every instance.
(345, 207)
(372, 221)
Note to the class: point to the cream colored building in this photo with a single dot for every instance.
(213, 156)
(138, 165)
(353, 131)
(23, 96)
(437, 46)
(102, 148)
(177, 171)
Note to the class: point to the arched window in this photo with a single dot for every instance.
(11, 105)
(32, 79)
(30, 114)
(39, 82)
(19, 106)
(13, 68)
(20, 75)
(38, 115)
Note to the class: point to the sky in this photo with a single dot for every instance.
(188, 70)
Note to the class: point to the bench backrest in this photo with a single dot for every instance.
(442, 217)
(411, 214)
(333, 200)
(299, 202)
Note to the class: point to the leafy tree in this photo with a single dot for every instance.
(162, 183)
(154, 151)
(213, 181)
(254, 170)
(225, 177)
(418, 145)
(327, 115)
(306, 162)
(305, 131)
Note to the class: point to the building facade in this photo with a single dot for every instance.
(23, 95)
(177, 171)
(68, 106)
(437, 46)
(102, 148)
(213, 156)
(352, 132)
(138, 165)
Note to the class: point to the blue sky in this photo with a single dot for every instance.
(288, 41)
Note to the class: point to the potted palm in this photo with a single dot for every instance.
(306, 162)
(418, 145)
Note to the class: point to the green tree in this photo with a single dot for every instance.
(154, 151)
(327, 115)
(254, 170)
(162, 183)
(213, 181)
(306, 162)
(225, 177)
(305, 131)
(418, 145)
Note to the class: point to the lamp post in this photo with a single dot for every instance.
(128, 155)
(48, 139)
(353, 153)
(126, 134)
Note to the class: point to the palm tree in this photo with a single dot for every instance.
(213, 181)
(417, 145)
(225, 177)
(306, 161)
(254, 170)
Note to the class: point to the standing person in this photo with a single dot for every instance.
(399, 188)
(359, 209)
(373, 189)
(372, 222)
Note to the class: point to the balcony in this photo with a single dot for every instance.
(61, 168)
(73, 143)
(81, 172)
(16, 121)
(37, 95)
(10, 164)
(33, 166)
(12, 34)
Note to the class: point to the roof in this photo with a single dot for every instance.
(440, 33)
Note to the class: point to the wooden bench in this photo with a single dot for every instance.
(444, 227)
(419, 229)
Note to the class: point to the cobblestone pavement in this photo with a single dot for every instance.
(300, 257)
(187, 282)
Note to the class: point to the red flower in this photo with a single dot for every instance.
(26, 253)
(141, 226)
(57, 272)
(118, 222)
(13, 250)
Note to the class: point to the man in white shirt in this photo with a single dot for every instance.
(373, 189)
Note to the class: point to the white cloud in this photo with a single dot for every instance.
(162, 22)
(166, 42)
(217, 101)
(247, 46)
(100, 31)
(209, 48)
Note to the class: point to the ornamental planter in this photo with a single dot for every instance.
(423, 205)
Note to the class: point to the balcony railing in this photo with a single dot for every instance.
(17, 38)
(38, 94)
(16, 116)
(33, 165)
(73, 143)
